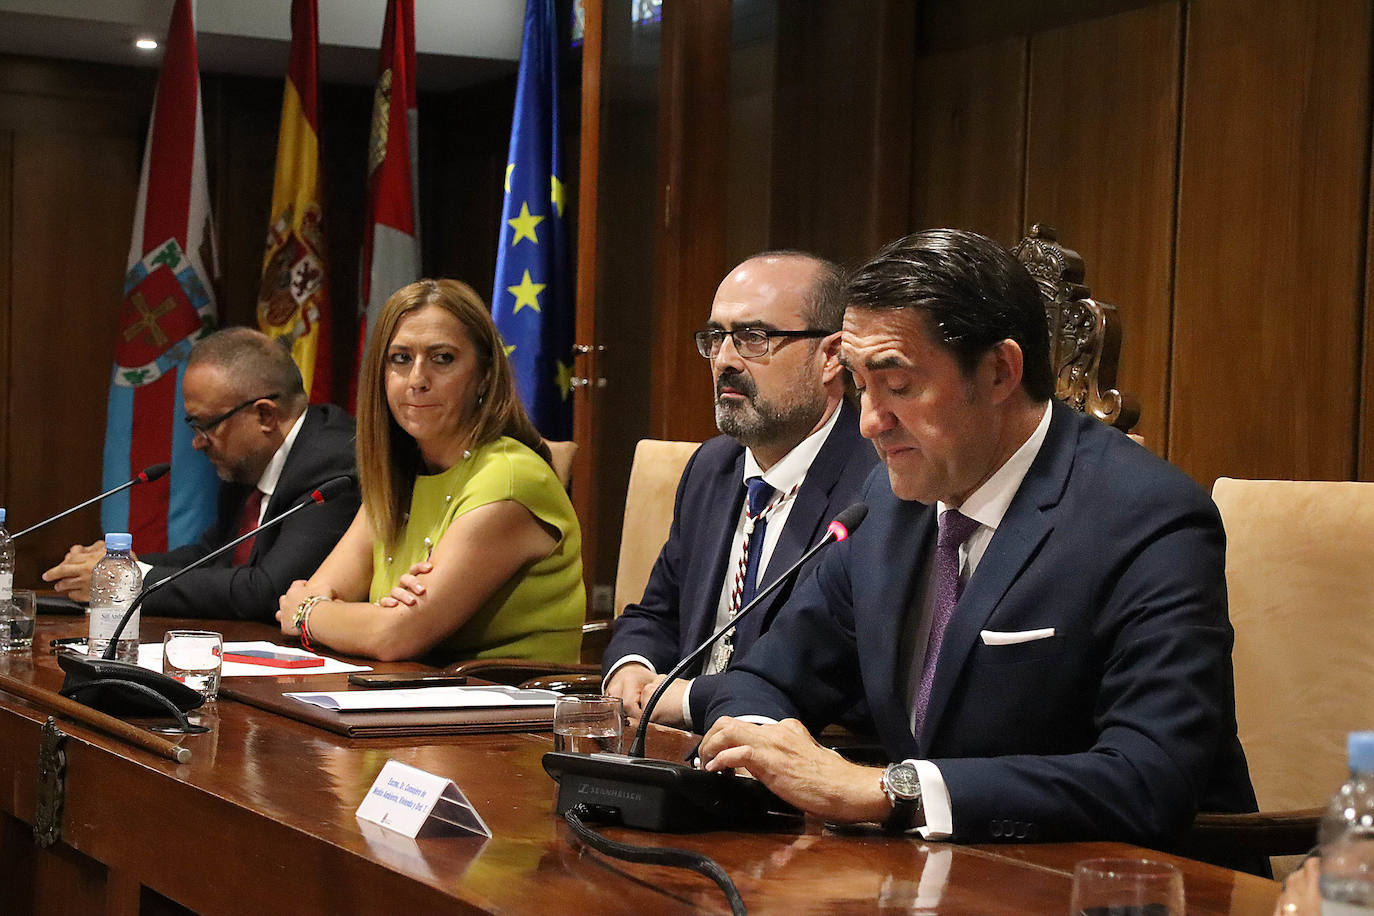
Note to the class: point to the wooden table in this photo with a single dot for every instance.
(261, 821)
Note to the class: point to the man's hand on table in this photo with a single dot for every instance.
(72, 577)
(786, 759)
(627, 683)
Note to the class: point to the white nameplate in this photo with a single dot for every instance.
(404, 799)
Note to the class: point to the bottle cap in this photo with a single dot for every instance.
(118, 541)
(1360, 747)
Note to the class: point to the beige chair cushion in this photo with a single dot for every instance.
(654, 476)
(562, 454)
(1300, 578)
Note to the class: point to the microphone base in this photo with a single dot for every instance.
(123, 689)
(661, 795)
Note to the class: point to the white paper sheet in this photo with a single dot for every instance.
(428, 698)
(150, 657)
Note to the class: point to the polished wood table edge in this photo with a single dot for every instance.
(307, 840)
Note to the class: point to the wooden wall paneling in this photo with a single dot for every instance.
(72, 214)
(841, 150)
(587, 399)
(1364, 459)
(1102, 143)
(693, 128)
(1271, 220)
(242, 117)
(627, 213)
(345, 119)
(968, 140)
(7, 485)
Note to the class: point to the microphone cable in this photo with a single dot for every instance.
(655, 855)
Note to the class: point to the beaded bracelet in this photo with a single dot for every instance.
(301, 619)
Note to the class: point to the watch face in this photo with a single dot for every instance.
(903, 782)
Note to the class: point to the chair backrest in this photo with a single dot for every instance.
(563, 454)
(1085, 334)
(654, 476)
(1300, 583)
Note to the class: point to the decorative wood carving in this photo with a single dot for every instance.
(1085, 334)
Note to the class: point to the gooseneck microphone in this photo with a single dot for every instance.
(123, 688)
(838, 530)
(634, 791)
(147, 475)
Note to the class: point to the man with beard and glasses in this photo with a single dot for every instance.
(248, 412)
(751, 501)
(1034, 609)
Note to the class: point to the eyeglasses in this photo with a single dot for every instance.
(203, 427)
(749, 342)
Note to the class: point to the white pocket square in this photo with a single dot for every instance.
(1011, 638)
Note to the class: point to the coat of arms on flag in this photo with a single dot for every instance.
(294, 274)
(166, 308)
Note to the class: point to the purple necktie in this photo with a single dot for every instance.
(954, 530)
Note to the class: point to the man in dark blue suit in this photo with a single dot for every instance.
(790, 438)
(1034, 609)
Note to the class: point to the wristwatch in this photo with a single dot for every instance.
(900, 784)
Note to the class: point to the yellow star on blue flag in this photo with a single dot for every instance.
(536, 318)
(526, 294)
(524, 225)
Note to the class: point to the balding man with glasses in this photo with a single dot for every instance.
(752, 500)
(249, 414)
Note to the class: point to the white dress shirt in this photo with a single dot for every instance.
(788, 473)
(267, 482)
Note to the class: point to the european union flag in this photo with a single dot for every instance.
(532, 301)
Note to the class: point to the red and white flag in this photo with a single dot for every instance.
(169, 303)
(391, 235)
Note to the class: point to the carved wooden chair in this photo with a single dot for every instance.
(654, 475)
(1085, 334)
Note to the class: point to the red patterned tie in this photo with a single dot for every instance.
(252, 508)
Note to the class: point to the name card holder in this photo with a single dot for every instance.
(408, 800)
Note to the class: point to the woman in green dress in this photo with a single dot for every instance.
(466, 545)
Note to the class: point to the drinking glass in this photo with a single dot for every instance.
(17, 621)
(588, 724)
(193, 657)
(1126, 887)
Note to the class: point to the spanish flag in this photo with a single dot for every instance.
(293, 301)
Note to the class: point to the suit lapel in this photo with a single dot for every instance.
(805, 521)
(899, 552)
(720, 514)
(280, 499)
(1024, 528)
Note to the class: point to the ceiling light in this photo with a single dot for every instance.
(146, 44)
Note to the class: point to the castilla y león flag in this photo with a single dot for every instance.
(168, 304)
(391, 236)
(293, 301)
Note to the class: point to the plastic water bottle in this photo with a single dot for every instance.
(1347, 837)
(6, 562)
(115, 583)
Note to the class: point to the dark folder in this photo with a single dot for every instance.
(270, 694)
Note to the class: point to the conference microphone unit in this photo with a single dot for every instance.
(634, 791)
(147, 475)
(123, 688)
